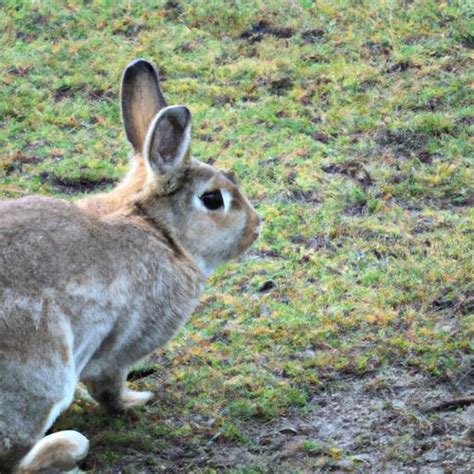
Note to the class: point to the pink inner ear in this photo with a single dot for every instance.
(172, 138)
(168, 138)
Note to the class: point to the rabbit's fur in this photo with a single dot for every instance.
(88, 289)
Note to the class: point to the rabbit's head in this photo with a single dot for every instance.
(200, 206)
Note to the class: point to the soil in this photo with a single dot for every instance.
(77, 186)
(393, 421)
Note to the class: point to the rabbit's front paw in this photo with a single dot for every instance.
(132, 398)
(113, 394)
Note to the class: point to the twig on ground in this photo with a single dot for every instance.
(451, 404)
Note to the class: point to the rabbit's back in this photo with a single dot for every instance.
(46, 242)
(111, 284)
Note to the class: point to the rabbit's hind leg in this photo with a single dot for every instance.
(61, 450)
(24, 418)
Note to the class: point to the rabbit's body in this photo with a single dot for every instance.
(88, 277)
(88, 289)
(78, 303)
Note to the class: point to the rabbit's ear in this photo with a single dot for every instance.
(141, 100)
(168, 139)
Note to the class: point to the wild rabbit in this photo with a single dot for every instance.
(85, 294)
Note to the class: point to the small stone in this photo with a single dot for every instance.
(306, 354)
(433, 456)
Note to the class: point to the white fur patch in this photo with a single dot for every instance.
(131, 398)
(36, 459)
(206, 269)
(65, 402)
(227, 198)
(198, 204)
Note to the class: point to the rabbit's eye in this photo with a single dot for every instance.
(213, 199)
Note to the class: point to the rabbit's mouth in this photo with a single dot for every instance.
(250, 233)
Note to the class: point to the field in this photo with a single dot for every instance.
(332, 345)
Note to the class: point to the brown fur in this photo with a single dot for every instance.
(108, 203)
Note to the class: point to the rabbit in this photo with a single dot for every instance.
(89, 289)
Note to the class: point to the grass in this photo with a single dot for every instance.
(349, 124)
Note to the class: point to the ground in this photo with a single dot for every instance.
(332, 345)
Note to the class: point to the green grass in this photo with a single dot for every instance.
(370, 262)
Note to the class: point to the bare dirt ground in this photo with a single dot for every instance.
(393, 421)
(387, 428)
